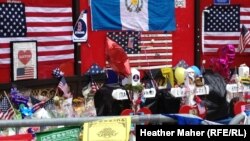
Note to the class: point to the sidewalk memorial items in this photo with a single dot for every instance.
(222, 64)
(117, 58)
(191, 103)
(110, 129)
(216, 102)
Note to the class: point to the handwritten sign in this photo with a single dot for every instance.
(149, 93)
(181, 92)
(119, 94)
(202, 90)
(235, 88)
(177, 92)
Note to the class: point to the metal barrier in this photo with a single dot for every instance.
(240, 118)
(17, 124)
(157, 118)
(78, 121)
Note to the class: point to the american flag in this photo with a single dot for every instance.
(25, 73)
(146, 50)
(221, 26)
(50, 24)
(244, 38)
(37, 104)
(57, 73)
(6, 111)
(63, 86)
(49, 103)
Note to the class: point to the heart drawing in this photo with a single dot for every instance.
(24, 56)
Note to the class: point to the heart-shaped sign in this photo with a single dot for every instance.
(239, 107)
(127, 112)
(24, 56)
(186, 109)
(142, 111)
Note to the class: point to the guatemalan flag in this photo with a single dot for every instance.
(138, 15)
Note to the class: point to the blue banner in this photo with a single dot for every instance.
(221, 2)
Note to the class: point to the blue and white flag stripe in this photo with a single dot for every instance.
(185, 119)
(140, 15)
(189, 119)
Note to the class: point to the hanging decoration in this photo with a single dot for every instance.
(226, 56)
(80, 33)
(117, 58)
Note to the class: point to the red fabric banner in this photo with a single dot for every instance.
(21, 137)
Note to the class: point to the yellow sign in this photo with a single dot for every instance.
(168, 74)
(112, 129)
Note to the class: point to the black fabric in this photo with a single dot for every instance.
(218, 107)
(167, 104)
(106, 105)
(163, 103)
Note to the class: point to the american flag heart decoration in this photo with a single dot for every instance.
(57, 73)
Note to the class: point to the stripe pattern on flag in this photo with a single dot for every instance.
(49, 25)
(25, 73)
(63, 86)
(221, 26)
(244, 39)
(36, 104)
(145, 50)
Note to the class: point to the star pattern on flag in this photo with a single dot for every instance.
(4, 105)
(35, 21)
(125, 38)
(12, 20)
(49, 102)
(6, 111)
(223, 19)
(57, 73)
(37, 104)
(95, 69)
(145, 50)
(34, 100)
